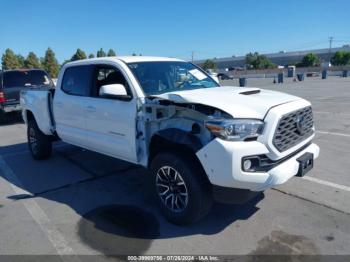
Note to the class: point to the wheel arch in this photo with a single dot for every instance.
(28, 115)
(176, 140)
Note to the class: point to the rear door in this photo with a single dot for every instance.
(70, 103)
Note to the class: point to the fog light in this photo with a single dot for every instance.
(247, 164)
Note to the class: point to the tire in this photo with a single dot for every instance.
(40, 145)
(190, 179)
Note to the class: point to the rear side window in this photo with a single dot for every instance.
(33, 78)
(76, 80)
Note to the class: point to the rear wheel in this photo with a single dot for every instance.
(40, 145)
(181, 190)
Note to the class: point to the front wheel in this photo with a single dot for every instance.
(181, 189)
(40, 145)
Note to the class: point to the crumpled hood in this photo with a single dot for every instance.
(240, 102)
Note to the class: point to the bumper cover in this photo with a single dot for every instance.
(221, 161)
(11, 108)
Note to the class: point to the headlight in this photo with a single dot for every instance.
(236, 129)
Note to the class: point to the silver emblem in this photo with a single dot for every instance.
(300, 123)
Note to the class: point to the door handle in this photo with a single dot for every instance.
(59, 104)
(91, 108)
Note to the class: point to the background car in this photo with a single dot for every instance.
(223, 76)
(14, 81)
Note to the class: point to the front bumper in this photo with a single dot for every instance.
(222, 160)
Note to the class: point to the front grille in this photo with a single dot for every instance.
(293, 128)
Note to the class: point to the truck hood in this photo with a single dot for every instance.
(240, 102)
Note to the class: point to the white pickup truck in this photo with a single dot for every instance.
(201, 141)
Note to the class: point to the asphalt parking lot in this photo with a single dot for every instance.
(81, 203)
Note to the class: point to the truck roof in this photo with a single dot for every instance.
(128, 59)
(23, 70)
(133, 59)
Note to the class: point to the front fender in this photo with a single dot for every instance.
(180, 137)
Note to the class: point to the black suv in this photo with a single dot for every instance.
(13, 81)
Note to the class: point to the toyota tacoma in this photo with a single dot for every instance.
(202, 142)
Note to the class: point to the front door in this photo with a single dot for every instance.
(111, 122)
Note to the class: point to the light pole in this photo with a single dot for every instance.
(330, 48)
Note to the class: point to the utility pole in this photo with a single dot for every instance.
(330, 48)
(192, 56)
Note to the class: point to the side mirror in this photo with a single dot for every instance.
(117, 91)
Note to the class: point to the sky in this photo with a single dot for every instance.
(172, 28)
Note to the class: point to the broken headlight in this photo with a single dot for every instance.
(236, 129)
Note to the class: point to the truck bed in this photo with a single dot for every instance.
(38, 102)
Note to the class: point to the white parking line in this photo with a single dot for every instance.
(327, 183)
(332, 133)
(39, 216)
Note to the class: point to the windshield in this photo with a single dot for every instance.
(26, 78)
(162, 77)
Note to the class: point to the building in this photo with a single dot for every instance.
(281, 58)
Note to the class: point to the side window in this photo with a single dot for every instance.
(107, 75)
(76, 80)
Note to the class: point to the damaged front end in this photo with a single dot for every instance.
(178, 123)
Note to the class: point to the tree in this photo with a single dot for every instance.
(134, 54)
(309, 60)
(32, 61)
(341, 58)
(111, 53)
(50, 64)
(100, 53)
(21, 60)
(209, 64)
(79, 55)
(9, 60)
(91, 56)
(257, 61)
